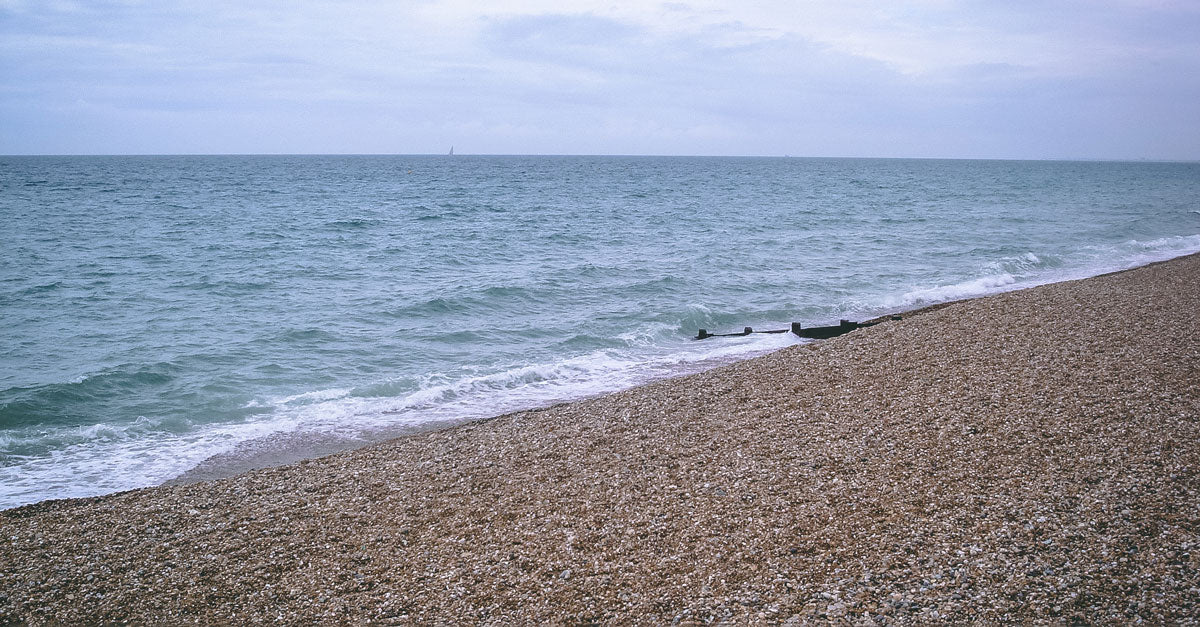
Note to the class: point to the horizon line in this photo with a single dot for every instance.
(620, 155)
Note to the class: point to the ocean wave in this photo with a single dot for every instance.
(965, 289)
(1166, 247)
(46, 287)
(656, 286)
(311, 397)
(104, 457)
(580, 341)
(700, 316)
(38, 439)
(224, 288)
(66, 403)
(152, 452)
(1029, 269)
(466, 394)
(303, 336)
(649, 334)
(353, 224)
(482, 301)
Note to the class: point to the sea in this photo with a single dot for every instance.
(168, 318)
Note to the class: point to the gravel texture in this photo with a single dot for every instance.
(1031, 456)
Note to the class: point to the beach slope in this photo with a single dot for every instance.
(1027, 456)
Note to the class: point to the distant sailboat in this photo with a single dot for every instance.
(451, 151)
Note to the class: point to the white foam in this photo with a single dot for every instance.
(318, 395)
(965, 289)
(99, 431)
(105, 458)
(450, 396)
(1029, 269)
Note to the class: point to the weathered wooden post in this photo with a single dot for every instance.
(702, 334)
(796, 329)
(747, 331)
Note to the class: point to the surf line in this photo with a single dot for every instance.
(815, 333)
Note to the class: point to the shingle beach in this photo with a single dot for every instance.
(1031, 456)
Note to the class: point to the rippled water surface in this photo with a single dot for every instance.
(159, 311)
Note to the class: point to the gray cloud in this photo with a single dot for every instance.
(970, 79)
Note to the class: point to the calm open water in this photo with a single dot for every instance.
(156, 312)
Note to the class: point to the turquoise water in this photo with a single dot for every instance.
(159, 311)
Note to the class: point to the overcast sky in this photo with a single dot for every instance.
(1096, 79)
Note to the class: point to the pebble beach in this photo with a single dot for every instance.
(1030, 456)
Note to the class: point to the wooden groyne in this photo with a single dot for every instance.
(815, 333)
